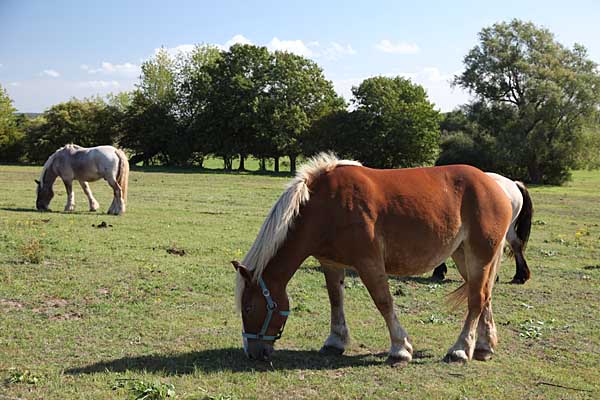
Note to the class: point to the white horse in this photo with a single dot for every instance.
(519, 230)
(73, 162)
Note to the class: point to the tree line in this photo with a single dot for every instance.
(533, 114)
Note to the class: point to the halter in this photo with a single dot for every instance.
(271, 307)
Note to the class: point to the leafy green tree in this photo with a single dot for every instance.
(298, 95)
(538, 93)
(397, 125)
(150, 123)
(239, 81)
(87, 122)
(464, 141)
(194, 84)
(11, 137)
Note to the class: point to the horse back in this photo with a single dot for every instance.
(411, 219)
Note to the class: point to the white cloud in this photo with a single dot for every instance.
(388, 46)
(99, 84)
(336, 50)
(15, 84)
(436, 83)
(237, 39)
(107, 68)
(177, 50)
(293, 46)
(50, 72)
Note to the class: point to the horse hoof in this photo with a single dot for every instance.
(331, 351)
(397, 361)
(437, 278)
(456, 356)
(518, 281)
(483, 354)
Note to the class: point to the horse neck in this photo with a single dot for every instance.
(282, 267)
(49, 176)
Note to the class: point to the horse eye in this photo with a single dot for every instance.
(247, 309)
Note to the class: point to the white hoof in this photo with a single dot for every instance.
(456, 356)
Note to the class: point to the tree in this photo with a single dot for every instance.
(194, 84)
(150, 124)
(11, 137)
(239, 81)
(397, 125)
(544, 92)
(298, 95)
(464, 141)
(88, 122)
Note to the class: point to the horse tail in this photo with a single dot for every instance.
(461, 294)
(123, 174)
(458, 296)
(523, 222)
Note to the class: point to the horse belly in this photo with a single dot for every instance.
(413, 246)
(415, 258)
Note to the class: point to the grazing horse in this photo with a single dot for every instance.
(518, 232)
(378, 222)
(73, 162)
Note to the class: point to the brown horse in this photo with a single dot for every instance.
(518, 232)
(378, 222)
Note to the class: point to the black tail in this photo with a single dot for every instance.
(523, 222)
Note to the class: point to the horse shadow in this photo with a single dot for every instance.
(19, 209)
(234, 360)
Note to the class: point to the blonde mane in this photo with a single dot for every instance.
(281, 217)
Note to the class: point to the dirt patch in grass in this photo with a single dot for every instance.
(176, 251)
(7, 305)
(102, 224)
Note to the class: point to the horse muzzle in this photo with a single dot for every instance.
(258, 350)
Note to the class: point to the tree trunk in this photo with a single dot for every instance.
(276, 164)
(535, 174)
(263, 165)
(293, 164)
(242, 162)
(227, 163)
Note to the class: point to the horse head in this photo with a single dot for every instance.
(44, 196)
(264, 314)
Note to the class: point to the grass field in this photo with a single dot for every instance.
(105, 313)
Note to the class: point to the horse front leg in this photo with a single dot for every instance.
(70, 206)
(117, 207)
(88, 192)
(338, 336)
(376, 281)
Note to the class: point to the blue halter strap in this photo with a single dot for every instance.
(271, 307)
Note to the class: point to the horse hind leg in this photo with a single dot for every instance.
(117, 206)
(88, 192)
(487, 338)
(478, 287)
(522, 273)
(338, 337)
(376, 281)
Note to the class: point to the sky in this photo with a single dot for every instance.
(51, 51)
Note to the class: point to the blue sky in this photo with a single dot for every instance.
(51, 51)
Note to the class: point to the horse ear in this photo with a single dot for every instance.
(36, 181)
(243, 270)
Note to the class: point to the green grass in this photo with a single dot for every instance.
(83, 309)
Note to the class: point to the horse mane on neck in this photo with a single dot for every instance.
(281, 217)
(48, 164)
